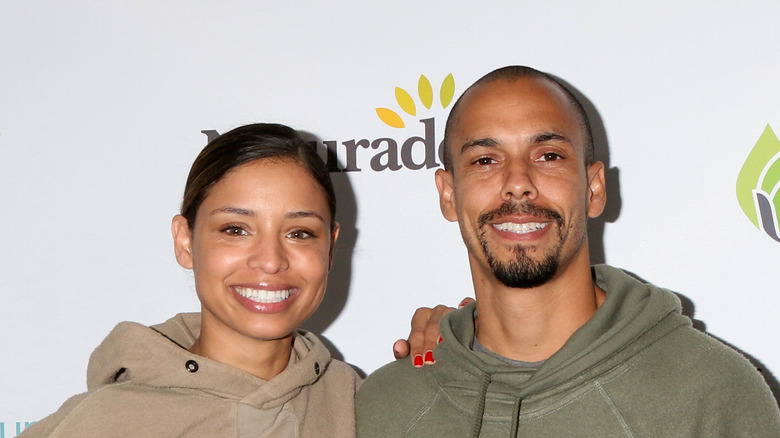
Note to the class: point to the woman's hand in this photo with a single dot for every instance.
(425, 334)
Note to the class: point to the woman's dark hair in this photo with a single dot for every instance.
(243, 145)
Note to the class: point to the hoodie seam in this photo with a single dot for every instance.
(421, 413)
(623, 424)
(606, 359)
(586, 389)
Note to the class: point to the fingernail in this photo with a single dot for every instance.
(462, 303)
(429, 356)
(440, 339)
(418, 360)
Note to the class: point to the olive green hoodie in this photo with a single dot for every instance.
(143, 382)
(636, 368)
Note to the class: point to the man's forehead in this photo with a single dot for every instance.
(507, 92)
(538, 99)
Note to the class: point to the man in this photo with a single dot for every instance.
(553, 346)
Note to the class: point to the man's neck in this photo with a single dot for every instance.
(532, 324)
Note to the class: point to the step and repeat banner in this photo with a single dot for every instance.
(103, 107)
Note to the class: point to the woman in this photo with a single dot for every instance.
(257, 229)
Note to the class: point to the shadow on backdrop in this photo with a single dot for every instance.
(612, 176)
(341, 273)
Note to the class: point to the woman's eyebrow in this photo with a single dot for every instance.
(304, 214)
(233, 210)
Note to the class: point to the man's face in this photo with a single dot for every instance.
(519, 187)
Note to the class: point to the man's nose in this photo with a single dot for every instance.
(518, 181)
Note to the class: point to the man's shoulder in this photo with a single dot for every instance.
(705, 361)
(386, 380)
(391, 397)
(691, 345)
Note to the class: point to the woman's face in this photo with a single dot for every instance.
(260, 250)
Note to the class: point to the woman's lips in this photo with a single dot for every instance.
(263, 295)
(265, 299)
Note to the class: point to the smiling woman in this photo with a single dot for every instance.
(257, 229)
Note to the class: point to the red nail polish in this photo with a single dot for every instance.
(429, 356)
(418, 360)
(440, 339)
(462, 303)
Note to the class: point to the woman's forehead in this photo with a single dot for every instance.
(268, 184)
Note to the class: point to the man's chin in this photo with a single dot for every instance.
(524, 272)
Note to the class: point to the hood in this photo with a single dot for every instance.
(158, 357)
(633, 316)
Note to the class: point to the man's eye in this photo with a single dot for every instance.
(550, 156)
(484, 161)
(300, 234)
(234, 230)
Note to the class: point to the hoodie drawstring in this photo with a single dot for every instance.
(516, 417)
(476, 427)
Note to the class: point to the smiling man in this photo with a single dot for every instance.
(553, 346)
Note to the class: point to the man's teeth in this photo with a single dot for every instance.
(526, 227)
(263, 296)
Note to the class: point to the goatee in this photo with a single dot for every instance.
(522, 271)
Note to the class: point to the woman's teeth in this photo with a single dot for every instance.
(263, 296)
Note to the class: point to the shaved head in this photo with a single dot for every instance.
(513, 73)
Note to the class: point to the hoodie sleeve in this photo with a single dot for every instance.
(49, 426)
(743, 407)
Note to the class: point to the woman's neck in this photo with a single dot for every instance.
(262, 358)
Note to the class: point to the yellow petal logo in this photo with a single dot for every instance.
(758, 184)
(407, 104)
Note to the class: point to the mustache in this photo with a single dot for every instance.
(519, 208)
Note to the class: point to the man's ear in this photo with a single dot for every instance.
(597, 190)
(334, 236)
(182, 241)
(444, 184)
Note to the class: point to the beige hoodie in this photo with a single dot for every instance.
(142, 381)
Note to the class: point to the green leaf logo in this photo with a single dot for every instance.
(406, 102)
(758, 184)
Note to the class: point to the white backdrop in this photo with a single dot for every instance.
(102, 107)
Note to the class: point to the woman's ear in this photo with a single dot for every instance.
(182, 241)
(334, 236)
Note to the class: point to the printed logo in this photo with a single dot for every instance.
(758, 184)
(416, 152)
(425, 91)
(18, 428)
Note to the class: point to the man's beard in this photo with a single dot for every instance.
(522, 271)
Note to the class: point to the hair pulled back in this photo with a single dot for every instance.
(243, 145)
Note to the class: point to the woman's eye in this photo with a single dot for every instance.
(300, 234)
(233, 230)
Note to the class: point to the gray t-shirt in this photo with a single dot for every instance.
(476, 346)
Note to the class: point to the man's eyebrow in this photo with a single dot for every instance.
(233, 210)
(547, 136)
(479, 142)
(304, 214)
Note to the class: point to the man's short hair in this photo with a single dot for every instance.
(510, 74)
